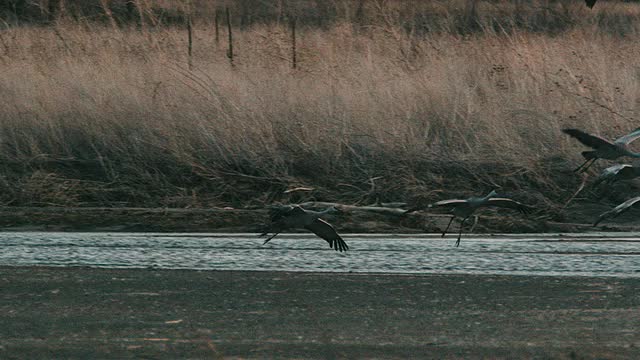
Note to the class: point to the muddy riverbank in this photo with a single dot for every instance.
(574, 219)
(105, 313)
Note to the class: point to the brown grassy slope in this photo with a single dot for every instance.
(93, 115)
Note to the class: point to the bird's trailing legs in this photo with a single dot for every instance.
(460, 234)
(588, 166)
(445, 230)
(580, 188)
(581, 166)
(475, 222)
(270, 237)
(584, 167)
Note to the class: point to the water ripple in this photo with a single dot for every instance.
(594, 254)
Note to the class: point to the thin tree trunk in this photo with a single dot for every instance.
(294, 62)
(230, 52)
(190, 40)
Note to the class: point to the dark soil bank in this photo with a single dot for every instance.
(252, 220)
(99, 313)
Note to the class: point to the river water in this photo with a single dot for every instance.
(592, 254)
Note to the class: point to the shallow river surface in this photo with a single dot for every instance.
(593, 254)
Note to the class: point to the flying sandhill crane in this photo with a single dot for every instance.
(617, 172)
(590, 3)
(625, 206)
(285, 217)
(603, 148)
(465, 208)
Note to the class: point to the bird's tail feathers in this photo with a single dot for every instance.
(599, 180)
(414, 209)
(526, 210)
(264, 230)
(589, 155)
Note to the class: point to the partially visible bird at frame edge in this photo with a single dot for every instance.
(590, 3)
(622, 208)
(607, 177)
(465, 208)
(283, 217)
(617, 172)
(603, 148)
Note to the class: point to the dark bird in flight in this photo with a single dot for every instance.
(603, 148)
(625, 206)
(465, 208)
(285, 217)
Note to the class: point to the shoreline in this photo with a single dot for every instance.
(251, 220)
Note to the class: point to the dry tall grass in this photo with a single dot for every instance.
(95, 115)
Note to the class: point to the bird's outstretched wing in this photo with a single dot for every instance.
(324, 230)
(590, 3)
(440, 204)
(617, 172)
(447, 203)
(510, 204)
(278, 212)
(628, 172)
(277, 215)
(609, 174)
(415, 208)
(625, 206)
(630, 137)
(591, 141)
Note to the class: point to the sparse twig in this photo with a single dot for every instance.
(190, 41)
(294, 62)
(230, 34)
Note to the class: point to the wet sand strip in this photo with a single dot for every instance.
(103, 313)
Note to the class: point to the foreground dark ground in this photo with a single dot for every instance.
(100, 313)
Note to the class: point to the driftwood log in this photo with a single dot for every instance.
(385, 210)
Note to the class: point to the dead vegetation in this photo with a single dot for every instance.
(400, 103)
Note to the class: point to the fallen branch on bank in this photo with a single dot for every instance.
(393, 211)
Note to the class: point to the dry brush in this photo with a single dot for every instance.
(98, 114)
